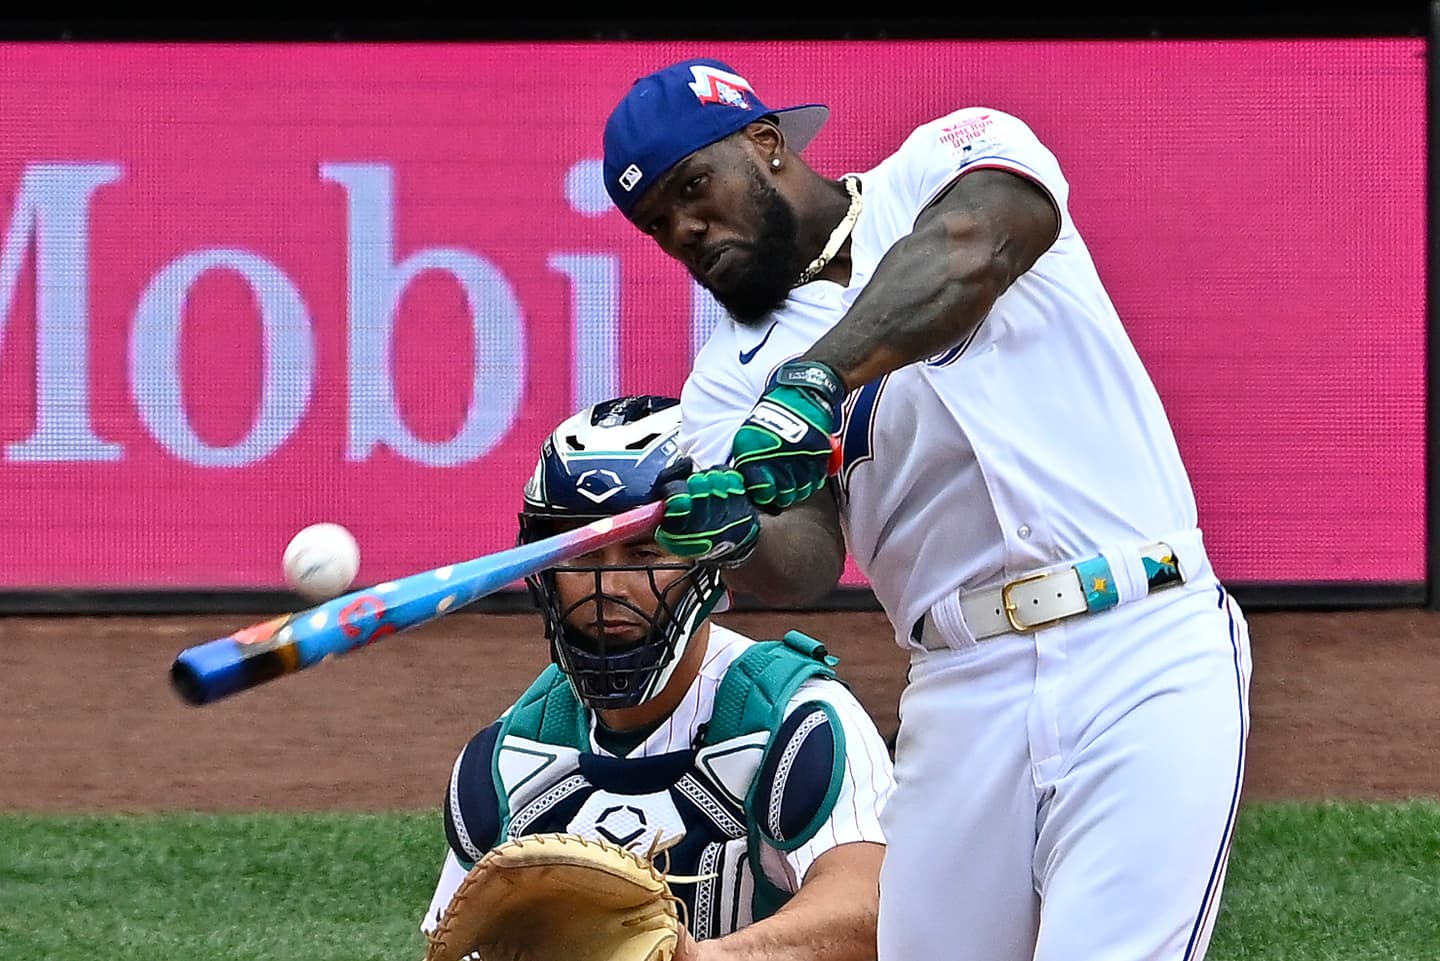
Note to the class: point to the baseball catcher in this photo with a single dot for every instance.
(667, 788)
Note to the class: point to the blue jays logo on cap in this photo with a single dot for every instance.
(671, 113)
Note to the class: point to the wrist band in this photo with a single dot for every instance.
(812, 374)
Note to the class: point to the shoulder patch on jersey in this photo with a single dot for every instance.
(966, 131)
(800, 776)
(472, 808)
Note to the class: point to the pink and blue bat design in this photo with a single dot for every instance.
(293, 642)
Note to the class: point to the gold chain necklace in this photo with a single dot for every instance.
(837, 236)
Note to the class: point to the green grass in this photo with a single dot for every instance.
(200, 888)
(1331, 882)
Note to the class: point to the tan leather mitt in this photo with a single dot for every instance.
(559, 897)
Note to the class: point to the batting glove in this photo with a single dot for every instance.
(783, 449)
(707, 518)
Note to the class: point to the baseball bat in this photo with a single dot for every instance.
(294, 642)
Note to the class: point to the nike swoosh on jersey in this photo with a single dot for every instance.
(748, 355)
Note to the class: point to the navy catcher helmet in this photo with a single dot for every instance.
(601, 461)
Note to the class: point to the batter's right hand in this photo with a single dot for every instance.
(708, 517)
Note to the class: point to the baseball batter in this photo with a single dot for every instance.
(1073, 729)
(748, 764)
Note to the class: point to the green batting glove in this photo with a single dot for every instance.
(707, 518)
(783, 449)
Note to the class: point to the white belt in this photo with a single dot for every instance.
(1035, 601)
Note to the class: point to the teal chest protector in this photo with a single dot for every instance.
(752, 697)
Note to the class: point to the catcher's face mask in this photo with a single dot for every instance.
(624, 615)
(619, 619)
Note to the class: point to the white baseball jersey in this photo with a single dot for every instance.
(1068, 792)
(1039, 439)
(866, 782)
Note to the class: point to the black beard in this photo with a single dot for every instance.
(773, 258)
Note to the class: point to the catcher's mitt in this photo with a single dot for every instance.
(559, 897)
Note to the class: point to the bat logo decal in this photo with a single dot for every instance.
(353, 618)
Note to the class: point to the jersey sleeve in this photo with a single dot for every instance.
(713, 406)
(866, 782)
(976, 138)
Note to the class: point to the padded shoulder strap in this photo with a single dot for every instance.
(753, 694)
(752, 697)
(548, 712)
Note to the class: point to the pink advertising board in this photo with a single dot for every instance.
(246, 287)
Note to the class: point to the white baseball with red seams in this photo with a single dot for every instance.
(321, 561)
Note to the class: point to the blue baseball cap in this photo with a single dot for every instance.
(669, 114)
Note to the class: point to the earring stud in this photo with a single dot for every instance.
(775, 162)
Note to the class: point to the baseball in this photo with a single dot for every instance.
(321, 561)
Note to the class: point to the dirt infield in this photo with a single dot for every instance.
(1343, 706)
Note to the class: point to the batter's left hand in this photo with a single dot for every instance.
(783, 448)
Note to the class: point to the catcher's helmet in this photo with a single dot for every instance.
(601, 461)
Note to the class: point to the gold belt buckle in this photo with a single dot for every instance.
(1016, 625)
